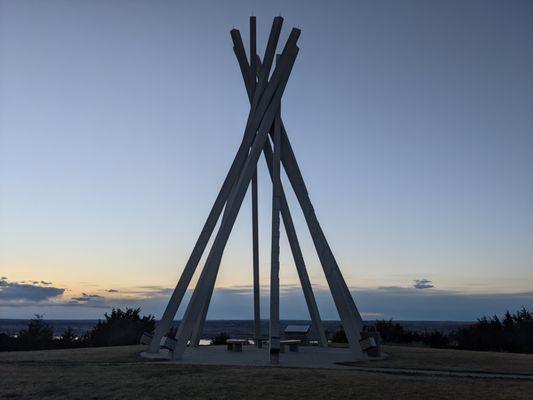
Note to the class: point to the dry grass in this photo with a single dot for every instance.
(117, 373)
(454, 360)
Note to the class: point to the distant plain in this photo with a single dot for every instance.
(234, 328)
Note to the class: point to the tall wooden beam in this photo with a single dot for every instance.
(350, 317)
(197, 308)
(260, 100)
(343, 299)
(274, 255)
(164, 324)
(255, 212)
(287, 218)
(255, 261)
(298, 259)
(253, 49)
(262, 121)
(269, 53)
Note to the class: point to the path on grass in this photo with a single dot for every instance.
(446, 373)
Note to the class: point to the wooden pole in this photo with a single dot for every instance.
(350, 317)
(287, 218)
(261, 123)
(163, 326)
(348, 312)
(259, 106)
(298, 259)
(274, 255)
(255, 212)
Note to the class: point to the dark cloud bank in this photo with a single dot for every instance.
(419, 302)
(24, 292)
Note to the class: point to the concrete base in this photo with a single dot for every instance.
(307, 357)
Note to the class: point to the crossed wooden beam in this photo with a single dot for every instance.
(264, 92)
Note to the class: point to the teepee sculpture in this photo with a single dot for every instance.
(264, 91)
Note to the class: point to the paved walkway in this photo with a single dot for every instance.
(307, 357)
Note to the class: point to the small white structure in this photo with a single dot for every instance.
(297, 332)
(264, 90)
(297, 329)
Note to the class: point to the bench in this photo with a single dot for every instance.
(371, 341)
(167, 343)
(146, 338)
(235, 344)
(292, 343)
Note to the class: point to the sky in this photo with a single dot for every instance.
(411, 122)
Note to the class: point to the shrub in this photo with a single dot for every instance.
(8, 342)
(435, 339)
(339, 337)
(67, 339)
(120, 328)
(395, 333)
(220, 338)
(37, 336)
(514, 333)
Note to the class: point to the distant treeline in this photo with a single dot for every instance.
(118, 328)
(512, 333)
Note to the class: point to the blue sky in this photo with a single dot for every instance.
(411, 122)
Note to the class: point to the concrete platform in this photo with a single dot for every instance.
(306, 357)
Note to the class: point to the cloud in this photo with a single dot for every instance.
(11, 292)
(148, 291)
(400, 303)
(422, 284)
(112, 291)
(46, 283)
(86, 298)
(92, 296)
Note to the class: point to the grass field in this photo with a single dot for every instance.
(119, 372)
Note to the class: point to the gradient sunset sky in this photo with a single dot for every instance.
(412, 122)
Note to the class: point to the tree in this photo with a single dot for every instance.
(8, 342)
(435, 339)
(67, 339)
(120, 328)
(514, 333)
(221, 338)
(339, 337)
(37, 336)
(395, 333)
